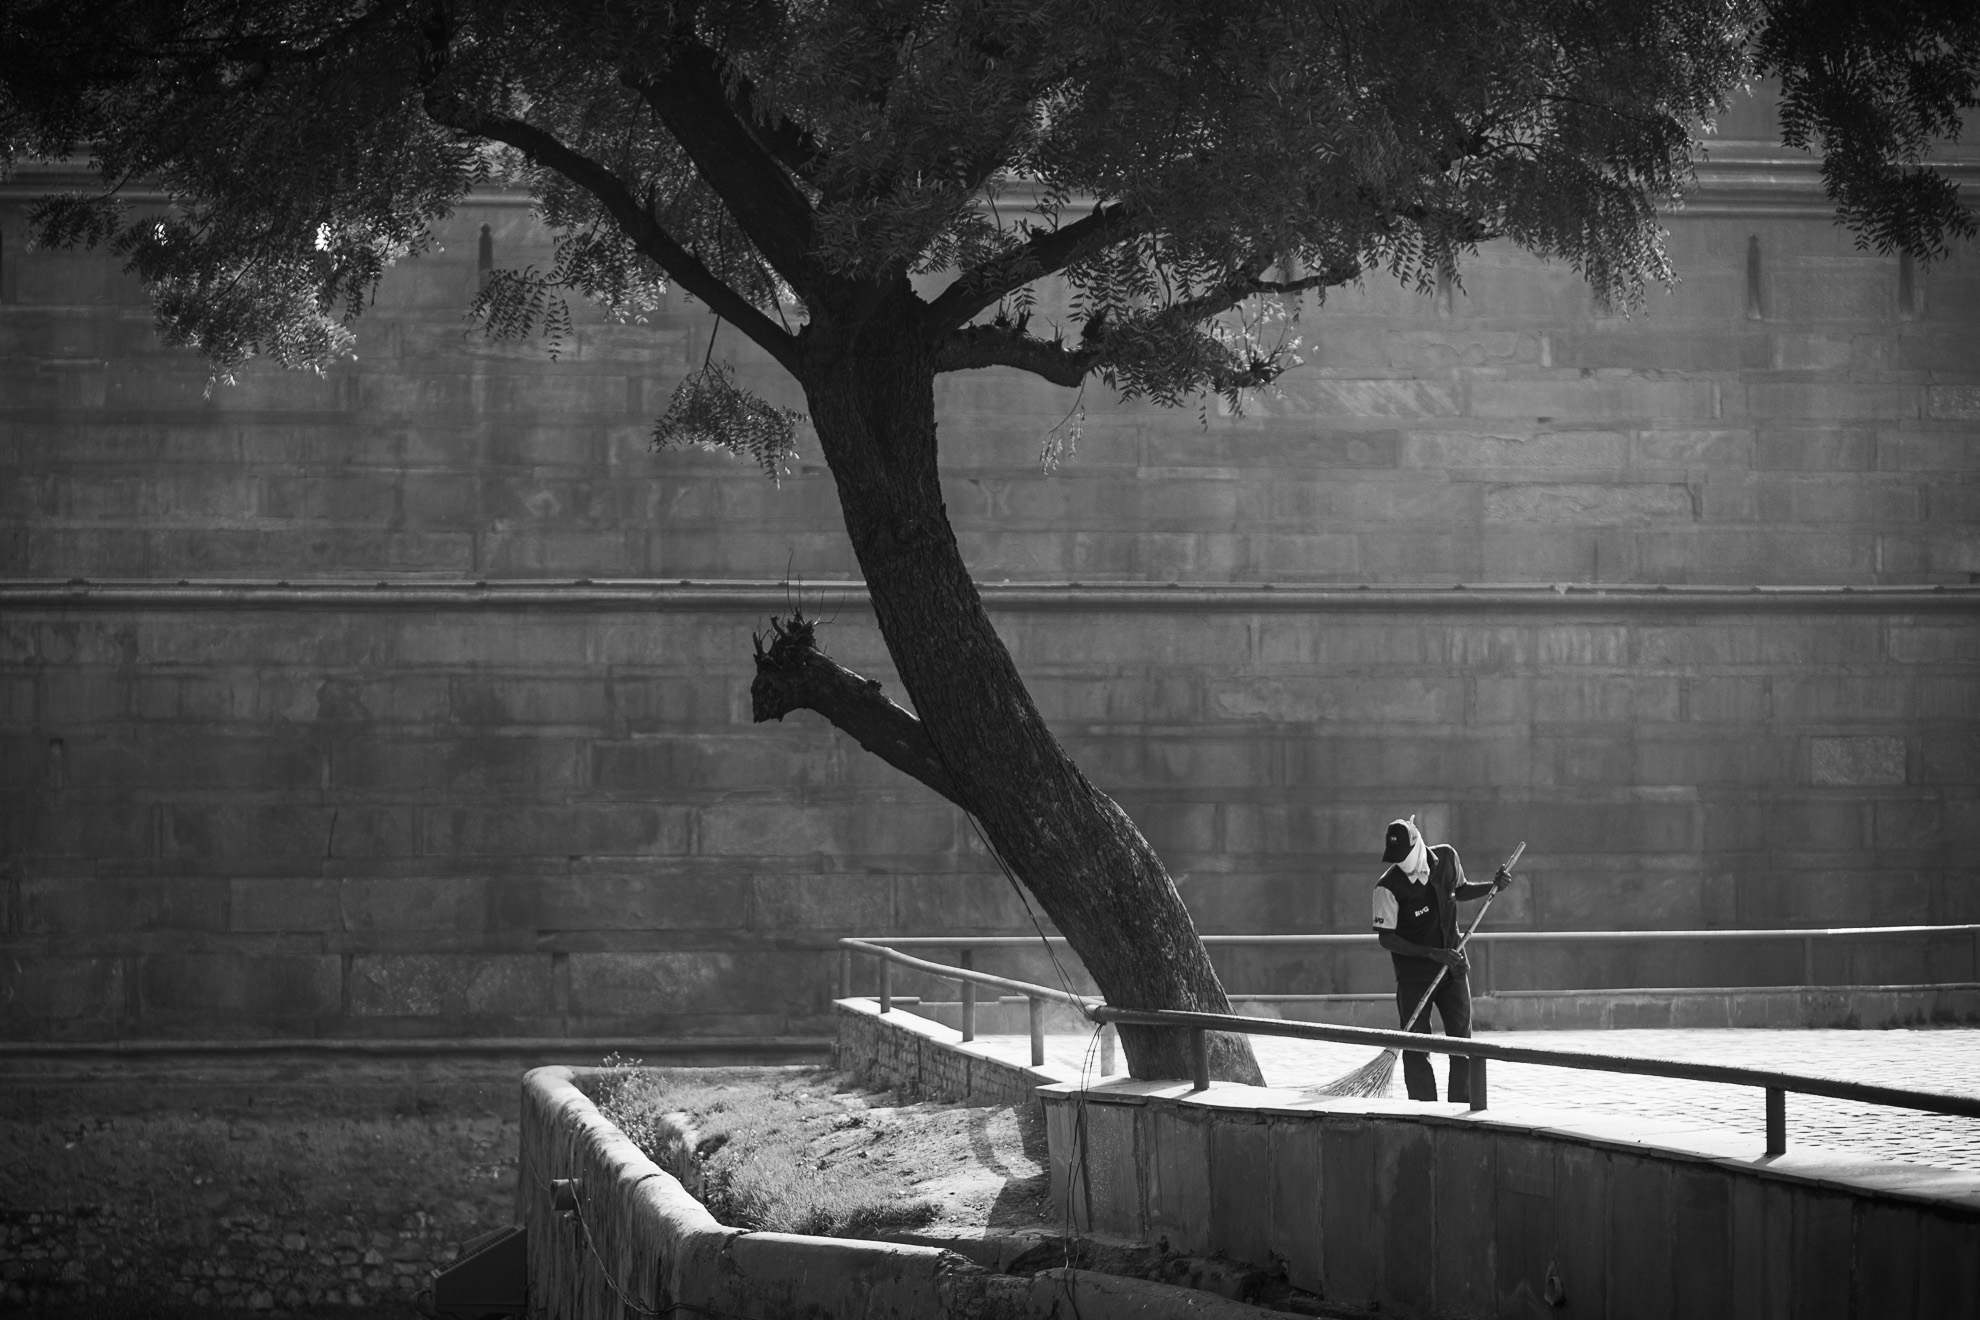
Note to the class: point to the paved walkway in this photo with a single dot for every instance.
(1945, 1060)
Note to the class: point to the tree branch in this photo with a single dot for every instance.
(631, 216)
(1007, 345)
(692, 102)
(1004, 343)
(793, 674)
(1044, 253)
(1228, 295)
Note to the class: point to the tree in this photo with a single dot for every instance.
(1179, 163)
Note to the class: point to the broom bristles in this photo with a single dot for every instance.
(1371, 1079)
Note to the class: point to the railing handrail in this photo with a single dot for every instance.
(1483, 936)
(1895, 1097)
(950, 971)
(1776, 1085)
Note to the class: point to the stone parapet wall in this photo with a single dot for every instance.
(1424, 1210)
(912, 1054)
(632, 1240)
(232, 821)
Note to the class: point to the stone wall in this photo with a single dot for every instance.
(1509, 432)
(631, 1239)
(905, 1052)
(1406, 1210)
(409, 822)
(264, 813)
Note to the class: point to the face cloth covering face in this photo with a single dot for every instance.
(1416, 862)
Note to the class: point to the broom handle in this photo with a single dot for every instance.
(1463, 940)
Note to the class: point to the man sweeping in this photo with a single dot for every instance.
(1416, 921)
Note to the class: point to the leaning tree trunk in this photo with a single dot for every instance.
(873, 403)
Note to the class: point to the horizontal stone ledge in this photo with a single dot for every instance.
(686, 595)
(534, 1047)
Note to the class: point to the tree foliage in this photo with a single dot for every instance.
(1872, 86)
(1170, 160)
(874, 191)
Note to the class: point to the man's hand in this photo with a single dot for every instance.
(1451, 958)
(1500, 879)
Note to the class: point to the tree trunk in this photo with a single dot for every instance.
(872, 399)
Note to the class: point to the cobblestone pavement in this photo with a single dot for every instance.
(1946, 1061)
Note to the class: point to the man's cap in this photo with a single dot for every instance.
(1397, 844)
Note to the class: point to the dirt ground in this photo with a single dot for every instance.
(982, 1169)
(805, 1150)
(808, 1151)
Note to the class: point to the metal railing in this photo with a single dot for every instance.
(1482, 943)
(966, 975)
(1775, 1085)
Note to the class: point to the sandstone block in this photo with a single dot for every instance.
(602, 899)
(460, 766)
(1591, 451)
(221, 986)
(1932, 643)
(1417, 556)
(1715, 555)
(109, 905)
(244, 830)
(1725, 450)
(1856, 761)
(1588, 396)
(741, 830)
(694, 981)
(1784, 645)
(450, 985)
(284, 904)
(66, 993)
(1608, 505)
(1604, 699)
(1952, 402)
(968, 903)
(626, 829)
(1815, 446)
(1355, 700)
(1830, 401)
(1540, 554)
(408, 903)
(1696, 757)
(812, 905)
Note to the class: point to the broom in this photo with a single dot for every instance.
(1374, 1077)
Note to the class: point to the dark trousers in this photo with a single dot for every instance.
(1453, 1005)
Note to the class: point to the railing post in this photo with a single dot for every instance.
(1107, 1035)
(1199, 1055)
(1808, 960)
(1036, 1006)
(1477, 1071)
(845, 973)
(886, 986)
(1776, 1121)
(1484, 986)
(968, 961)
